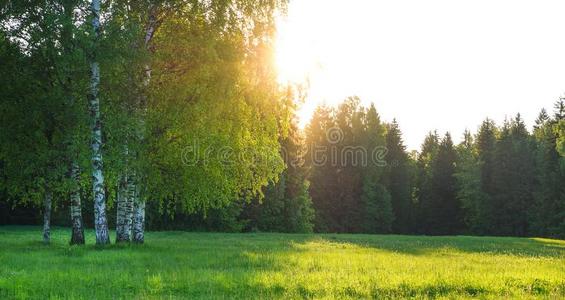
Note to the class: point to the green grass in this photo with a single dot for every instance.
(215, 265)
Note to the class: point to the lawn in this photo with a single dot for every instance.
(217, 265)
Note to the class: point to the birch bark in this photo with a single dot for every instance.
(138, 203)
(48, 197)
(100, 221)
(124, 211)
(138, 218)
(77, 237)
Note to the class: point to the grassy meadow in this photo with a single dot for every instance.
(321, 266)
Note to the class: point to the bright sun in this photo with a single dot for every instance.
(297, 61)
(293, 64)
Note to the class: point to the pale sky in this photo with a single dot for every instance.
(439, 64)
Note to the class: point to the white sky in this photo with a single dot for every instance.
(439, 64)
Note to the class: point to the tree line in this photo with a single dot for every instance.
(350, 172)
(501, 180)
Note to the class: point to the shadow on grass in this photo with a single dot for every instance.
(404, 244)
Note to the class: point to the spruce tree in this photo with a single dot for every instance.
(442, 211)
(469, 192)
(546, 217)
(423, 190)
(348, 159)
(397, 179)
(322, 173)
(486, 149)
(287, 206)
(513, 179)
(377, 213)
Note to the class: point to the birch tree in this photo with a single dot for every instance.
(100, 222)
(212, 66)
(153, 23)
(123, 215)
(213, 86)
(77, 235)
(70, 39)
(130, 209)
(42, 120)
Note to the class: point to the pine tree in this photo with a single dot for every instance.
(287, 206)
(486, 150)
(513, 179)
(423, 191)
(348, 161)
(469, 192)
(442, 211)
(397, 179)
(322, 174)
(376, 203)
(559, 127)
(348, 188)
(377, 214)
(546, 216)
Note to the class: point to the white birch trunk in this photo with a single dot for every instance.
(138, 203)
(128, 207)
(47, 199)
(77, 237)
(100, 222)
(138, 218)
(123, 214)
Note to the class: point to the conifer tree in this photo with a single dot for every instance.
(442, 210)
(397, 179)
(469, 192)
(486, 148)
(513, 179)
(348, 184)
(287, 206)
(423, 191)
(322, 174)
(376, 206)
(546, 216)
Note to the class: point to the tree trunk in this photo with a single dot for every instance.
(129, 198)
(100, 222)
(48, 197)
(138, 203)
(138, 218)
(123, 223)
(77, 237)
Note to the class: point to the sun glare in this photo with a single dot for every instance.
(421, 65)
(299, 60)
(292, 59)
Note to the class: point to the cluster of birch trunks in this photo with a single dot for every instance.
(130, 217)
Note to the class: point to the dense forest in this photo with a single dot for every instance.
(167, 115)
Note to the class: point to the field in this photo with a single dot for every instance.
(216, 265)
